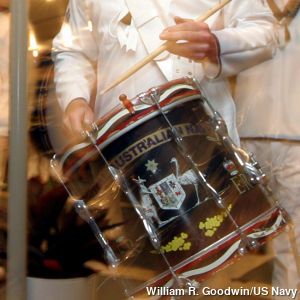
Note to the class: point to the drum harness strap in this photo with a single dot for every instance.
(289, 12)
(287, 15)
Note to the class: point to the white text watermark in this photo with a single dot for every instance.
(229, 291)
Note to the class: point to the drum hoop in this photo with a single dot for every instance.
(140, 119)
(124, 112)
(232, 241)
(104, 139)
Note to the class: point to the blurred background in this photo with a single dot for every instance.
(60, 245)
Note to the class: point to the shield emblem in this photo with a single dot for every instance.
(168, 193)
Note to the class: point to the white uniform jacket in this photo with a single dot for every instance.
(268, 95)
(94, 36)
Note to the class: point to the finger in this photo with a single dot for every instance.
(66, 124)
(192, 51)
(69, 131)
(77, 124)
(88, 119)
(191, 36)
(190, 31)
(179, 20)
(188, 25)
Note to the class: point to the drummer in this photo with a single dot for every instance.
(273, 134)
(100, 40)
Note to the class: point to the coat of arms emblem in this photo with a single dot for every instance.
(168, 193)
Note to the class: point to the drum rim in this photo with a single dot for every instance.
(231, 240)
(147, 117)
(107, 138)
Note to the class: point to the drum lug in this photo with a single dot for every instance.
(155, 93)
(256, 168)
(145, 98)
(150, 98)
(247, 243)
(191, 81)
(155, 97)
(244, 162)
(255, 163)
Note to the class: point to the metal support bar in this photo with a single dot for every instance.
(17, 183)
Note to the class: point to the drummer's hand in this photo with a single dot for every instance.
(197, 43)
(77, 117)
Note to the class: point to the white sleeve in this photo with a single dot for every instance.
(74, 55)
(250, 35)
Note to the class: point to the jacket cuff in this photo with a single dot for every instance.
(213, 70)
(74, 93)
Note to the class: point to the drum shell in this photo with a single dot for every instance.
(196, 230)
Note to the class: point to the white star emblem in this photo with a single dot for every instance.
(151, 166)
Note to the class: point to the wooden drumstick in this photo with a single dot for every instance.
(161, 49)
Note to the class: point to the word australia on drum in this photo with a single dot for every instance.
(154, 140)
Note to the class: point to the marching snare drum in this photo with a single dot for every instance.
(192, 199)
